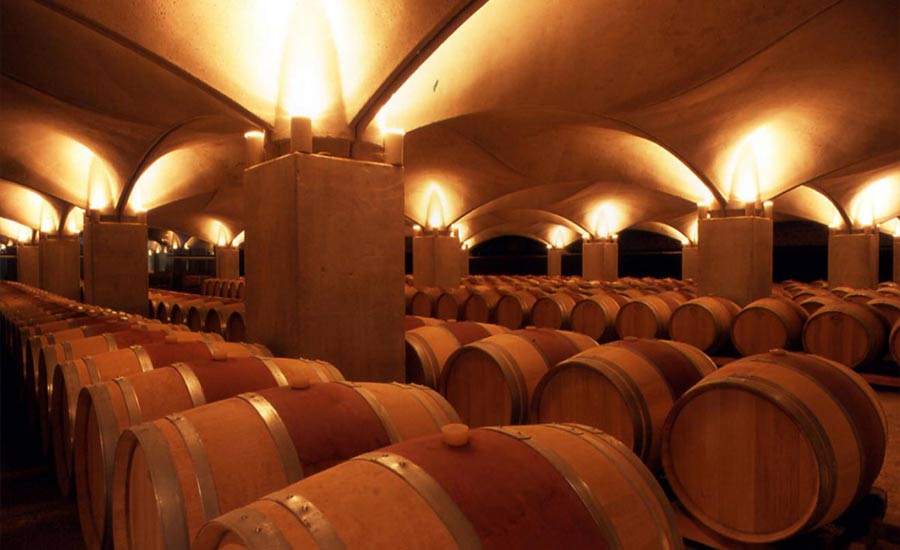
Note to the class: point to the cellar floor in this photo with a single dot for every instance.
(34, 517)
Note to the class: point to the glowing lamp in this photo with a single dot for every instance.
(745, 180)
(24, 235)
(301, 134)
(769, 209)
(435, 212)
(254, 147)
(417, 228)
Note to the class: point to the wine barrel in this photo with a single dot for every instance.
(773, 445)
(72, 376)
(554, 310)
(648, 316)
(813, 303)
(704, 323)
(197, 460)
(596, 315)
(479, 306)
(894, 342)
(861, 296)
(411, 321)
(424, 302)
(768, 323)
(513, 310)
(106, 409)
(179, 309)
(625, 388)
(842, 291)
(195, 318)
(450, 304)
(849, 333)
(235, 327)
(888, 307)
(489, 382)
(216, 321)
(427, 348)
(408, 292)
(544, 486)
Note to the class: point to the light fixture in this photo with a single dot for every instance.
(393, 146)
(435, 212)
(301, 134)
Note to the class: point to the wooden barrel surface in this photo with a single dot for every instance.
(480, 304)
(424, 302)
(894, 342)
(596, 315)
(888, 307)
(704, 323)
(768, 323)
(106, 409)
(412, 321)
(513, 310)
(196, 461)
(543, 486)
(490, 382)
(429, 347)
(773, 445)
(861, 296)
(72, 376)
(625, 388)
(812, 303)
(850, 333)
(645, 317)
(216, 321)
(450, 304)
(195, 318)
(554, 310)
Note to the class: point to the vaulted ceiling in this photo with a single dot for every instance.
(529, 118)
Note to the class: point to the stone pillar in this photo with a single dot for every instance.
(554, 262)
(115, 265)
(735, 258)
(897, 259)
(690, 257)
(28, 264)
(61, 265)
(228, 262)
(436, 260)
(853, 259)
(463, 262)
(600, 260)
(324, 251)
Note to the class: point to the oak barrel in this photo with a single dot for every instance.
(555, 310)
(424, 302)
(704, 323)
(812, 303)
(513, 310)
(451, 302)
(196, 461)
(773, 445)
(888, 307)
(849, 333)
(489, 382)
(543, 486)
(648, 316)
(106, 409)
(412, 321)
(894, 342)
(768, 323)
(429, 347)
(596, 315)
(480, 304)
(625, 388)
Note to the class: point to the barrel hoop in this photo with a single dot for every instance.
(446, 408)
(315, 522)
(424, 351)
(111, 343)
(206, 484)
(255, 349)
(129, 396)
(68, 354)
(143, 357)
(274, 370)
(424, 401)
(92, 370)
(293, 468)
(656, 501)
(432, 493)
(578, 485)
(796, 410)
(332, 370)
(109, 435)
(377, 408)
(169, 499)
(191, 382)
(667, 379)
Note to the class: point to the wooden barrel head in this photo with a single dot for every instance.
(849, 333)
(645, 317)
(476, 383)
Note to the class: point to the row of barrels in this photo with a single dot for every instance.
(186, 433)
(221, 316)
(223, 288)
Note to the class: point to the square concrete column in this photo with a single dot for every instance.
(436, 260)
(690, 257)
(115, 265)
(853, 259)
(323, 256)
(463, 262)
(600, 260)
(897, 260)
(735, 258)
(61, 266)
(28, 264)
(554, 262)
(228, 262)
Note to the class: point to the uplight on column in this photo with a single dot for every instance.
(301, 134)
(393, 147)
(769, 209)
(254, 147)
(434, 214)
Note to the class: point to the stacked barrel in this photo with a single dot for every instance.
(200, 313)
(223, 288)
(510, 434)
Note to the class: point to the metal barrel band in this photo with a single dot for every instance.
(378, 409)
(206, 484)
(315, 522)
(129, 396)
(274, 370)
(143, 358)
(191, 382)
(290, 460)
